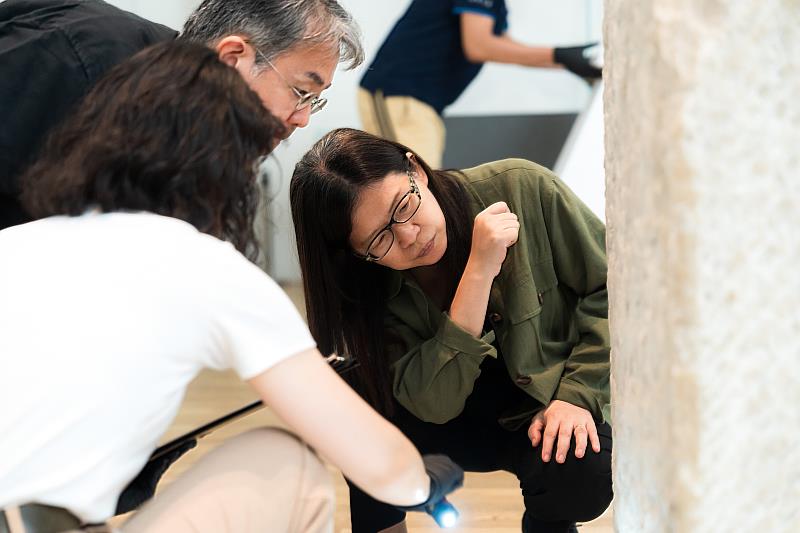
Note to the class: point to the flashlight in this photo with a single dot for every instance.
(444, 513)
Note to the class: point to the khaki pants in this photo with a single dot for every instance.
(406, 120)
(264, 480)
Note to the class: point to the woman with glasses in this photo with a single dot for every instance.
(475, 303)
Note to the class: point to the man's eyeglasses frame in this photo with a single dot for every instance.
(304, 99)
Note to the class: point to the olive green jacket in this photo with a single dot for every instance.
(548, 308)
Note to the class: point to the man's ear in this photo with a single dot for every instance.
(233, 51)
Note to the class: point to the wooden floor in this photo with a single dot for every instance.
(487, 502)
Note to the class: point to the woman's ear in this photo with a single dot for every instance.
(419, 173)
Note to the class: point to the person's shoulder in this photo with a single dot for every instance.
(99, 32)
(151, 233)
(188, 253)
(94, 35)
(508, 180)
(96, 19)
(508, 172)
(70, 13)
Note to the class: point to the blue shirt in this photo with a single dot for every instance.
(422, 56)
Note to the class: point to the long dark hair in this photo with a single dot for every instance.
(346, 296)
(172, 131)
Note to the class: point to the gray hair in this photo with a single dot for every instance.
(277, 26)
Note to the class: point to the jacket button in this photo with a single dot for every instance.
(523, 380)
(496, 318)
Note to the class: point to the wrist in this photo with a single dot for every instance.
(478, 273)
(424, 494)
(560, 55)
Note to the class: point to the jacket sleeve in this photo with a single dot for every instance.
(432, 377)
(577, 240)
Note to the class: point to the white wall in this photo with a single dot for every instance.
(498, 90)
(580, 163)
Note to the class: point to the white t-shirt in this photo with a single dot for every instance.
(104, 320)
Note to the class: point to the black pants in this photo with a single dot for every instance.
(556, 495)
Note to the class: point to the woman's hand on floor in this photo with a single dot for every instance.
(558, 422)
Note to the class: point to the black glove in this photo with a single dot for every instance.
(143, 486)
(446, 476)
(574, 59)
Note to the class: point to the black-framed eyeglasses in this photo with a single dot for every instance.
(405, 209)
(304, 98)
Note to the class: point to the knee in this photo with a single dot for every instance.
(579, 490)
(285, 448)
(575, 493)
(262, 480)
(590, 490)
(274, 453)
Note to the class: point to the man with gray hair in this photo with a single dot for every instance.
(52, 52)
(286, 50)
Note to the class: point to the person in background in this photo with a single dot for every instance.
(53, 51)
(476, 305)
(124, 290)
(430, 57)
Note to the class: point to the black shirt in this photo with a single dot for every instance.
(51, 53)
(422, 56)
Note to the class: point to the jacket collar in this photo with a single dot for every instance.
(394, 285)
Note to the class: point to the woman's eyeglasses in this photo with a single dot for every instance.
(405, 209)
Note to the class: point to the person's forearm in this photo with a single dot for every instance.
(468, 309)
(398, 475)
(502, 49)
(325, 412)
(408, 485)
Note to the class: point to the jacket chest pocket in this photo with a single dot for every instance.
(522, 300)
(529, 291)
(544, 275)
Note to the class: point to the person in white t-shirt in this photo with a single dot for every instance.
(127, 288)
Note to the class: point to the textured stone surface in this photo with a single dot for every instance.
(702, 135)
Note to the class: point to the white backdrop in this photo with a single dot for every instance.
(498, 90)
